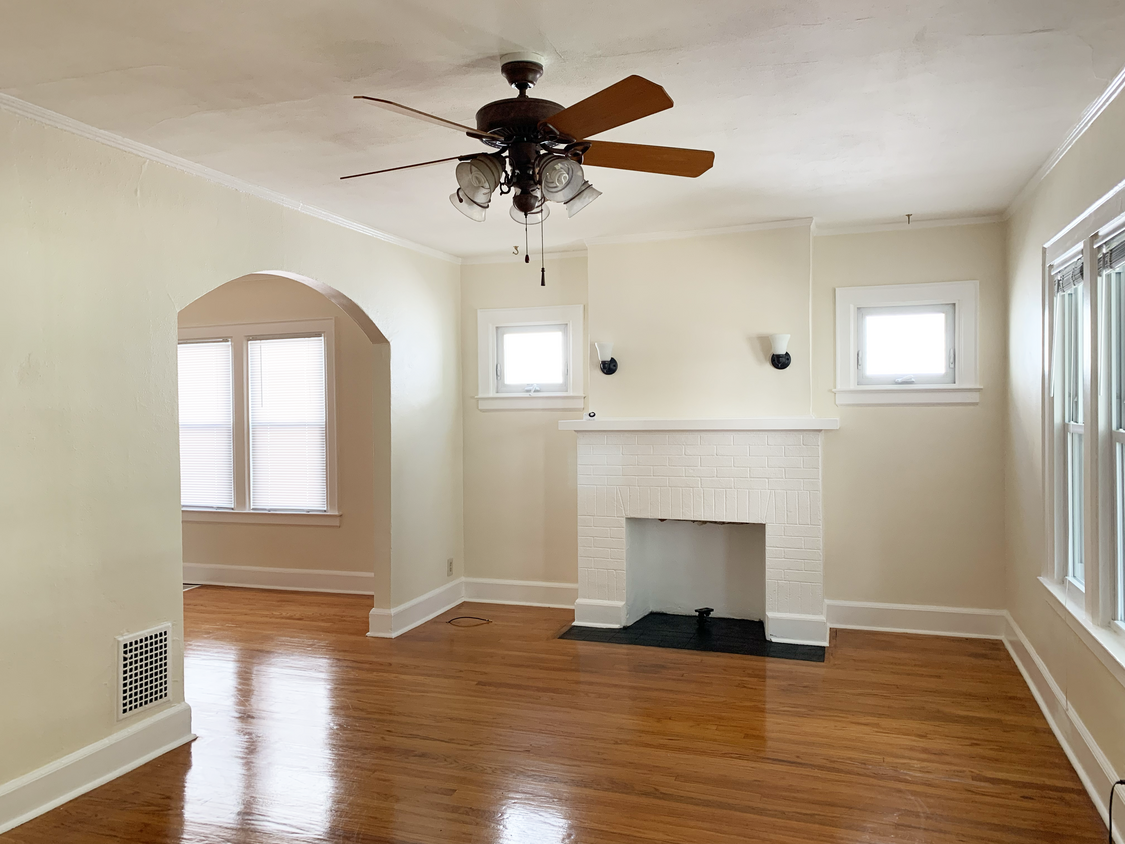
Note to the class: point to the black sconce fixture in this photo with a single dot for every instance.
(780, 358)
(605, 355)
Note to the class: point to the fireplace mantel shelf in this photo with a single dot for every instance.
(791, 423)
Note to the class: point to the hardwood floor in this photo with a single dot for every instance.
(310, 732)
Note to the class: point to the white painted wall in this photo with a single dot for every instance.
(1092, 167)
(100, 250)
(678, 566)
(362, 540)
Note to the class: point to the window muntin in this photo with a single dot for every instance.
(288, 424)
(206, 425)
(532, 358)
(907, 345)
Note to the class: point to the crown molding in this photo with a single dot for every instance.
(507, 257)
(684, 235)
(943, 222)
(30, 111)
(1092, 113)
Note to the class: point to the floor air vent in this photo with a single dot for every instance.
(142, 670)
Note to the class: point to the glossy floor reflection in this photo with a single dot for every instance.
(505, 734)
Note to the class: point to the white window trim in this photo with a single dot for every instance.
(1087, 608)
(239, 335)
(966, 387)
(489, 319)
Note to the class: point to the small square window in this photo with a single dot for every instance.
(907, 345)
(533, 358)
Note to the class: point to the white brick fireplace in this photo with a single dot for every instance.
(765, 471)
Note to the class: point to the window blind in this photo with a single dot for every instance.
(1112, 255)
(1067, 276)
(206, 426)
(288, 430)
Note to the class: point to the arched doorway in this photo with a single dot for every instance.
(255, 535)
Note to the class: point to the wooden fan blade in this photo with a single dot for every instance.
(429, 118)
(405, 167)
(628, 100)
(648, 159)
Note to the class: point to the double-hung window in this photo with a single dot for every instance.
(530, 358)
(1086, 430)
(257, 421)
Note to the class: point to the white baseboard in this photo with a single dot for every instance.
(387, 624)
(298, 580)
(84, 770)
(917, 618)
(589, 612)
(523, 593)
(794, 629)
(1090, 763)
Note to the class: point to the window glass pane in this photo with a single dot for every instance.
(909, 344)
(900, 344)
(1076, 563)
(1119, 604)
(288, 424)
(1115, 284)
(533, 356)
(206, 425)
(1071, 312)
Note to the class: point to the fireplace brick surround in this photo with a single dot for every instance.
(765, 471)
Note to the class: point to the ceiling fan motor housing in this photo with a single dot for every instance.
(515, 119)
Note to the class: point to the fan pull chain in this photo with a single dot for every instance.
(542, 256)
(526, 251)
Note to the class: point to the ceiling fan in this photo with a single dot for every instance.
(541, 146)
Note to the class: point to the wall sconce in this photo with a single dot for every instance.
(605, 355)
(780, 358)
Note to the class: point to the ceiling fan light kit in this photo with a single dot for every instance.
(538, 213)
(467, 206)
(542, 145)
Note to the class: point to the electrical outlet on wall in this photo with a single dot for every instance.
(449, 567)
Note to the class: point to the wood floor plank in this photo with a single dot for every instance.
(502, 733)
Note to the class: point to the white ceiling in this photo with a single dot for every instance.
(849, 111)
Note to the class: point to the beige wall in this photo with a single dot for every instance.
(914, 496)
(99, 251)
(521, 498)
(361, 542)
(1087, 172)
(689, 320)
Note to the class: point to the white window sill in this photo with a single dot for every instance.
(1107, 643)
(908, 394)
(260, 517)
(525, 401)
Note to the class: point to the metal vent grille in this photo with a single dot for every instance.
(142, 669)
